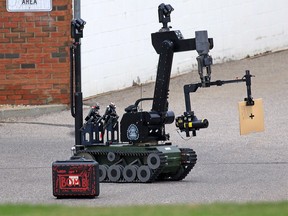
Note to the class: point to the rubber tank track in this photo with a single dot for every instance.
(188, 161)
(122, 154)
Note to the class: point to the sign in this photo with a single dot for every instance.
(75, 178)
(28, 5)
(251, 117)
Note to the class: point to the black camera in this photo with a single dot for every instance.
(77, 26)
(164, 11)
(189, 122)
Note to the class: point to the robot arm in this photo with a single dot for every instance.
(188, 121)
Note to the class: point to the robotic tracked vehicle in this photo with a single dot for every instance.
(140, 150)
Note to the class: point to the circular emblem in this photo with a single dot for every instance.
(132, 132)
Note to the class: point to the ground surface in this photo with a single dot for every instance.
(230, 167)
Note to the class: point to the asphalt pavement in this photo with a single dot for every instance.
(230, 167)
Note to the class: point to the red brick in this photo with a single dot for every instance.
(12, 87)
(5, 19)
(33, 18)
(28, 56)
(49, 60)
(45, 65)
(2, 30)
(12, 35)
(18, 29)
(6, 61)
(42, 34)
(3, 92)
(33, 29)
(34, 50)
(28, 86)
(37, 102)
(10, 24)
(49, 49)
(14, 97)
(22, 92)
(30, 96)
(27, 34)
(7, 102)
(12, 66)
(44, 86)
(4, 40)
(50, 39)
(15, 19)
(34, 40)
(59, 75)
(18, 40)
(21, 102)
(2, 98)
(55, 91)
(41, 23)
(60, 86)
(44, 76)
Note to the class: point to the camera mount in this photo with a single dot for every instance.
(77, 26)
(164, 11)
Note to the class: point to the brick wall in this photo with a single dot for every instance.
(34, 55)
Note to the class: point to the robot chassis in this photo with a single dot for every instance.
(144, 153)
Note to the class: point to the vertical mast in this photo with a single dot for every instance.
(77, 26)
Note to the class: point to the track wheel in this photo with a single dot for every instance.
(111, 156)
(153, 161)
(114, 172)
(130, 172)
(144, 173)
(103, 172)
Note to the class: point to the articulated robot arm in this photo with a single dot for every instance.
(188, 121)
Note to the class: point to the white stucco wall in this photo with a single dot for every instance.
(117, 49)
